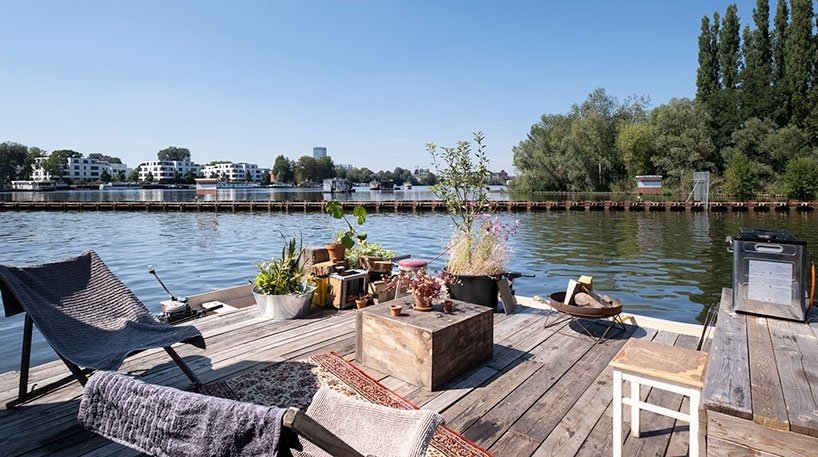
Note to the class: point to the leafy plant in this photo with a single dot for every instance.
(800, 177)
(349, 236)
(462, 180)
(285, 275)
(365, 248)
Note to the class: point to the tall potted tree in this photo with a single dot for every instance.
(281, 291)
(478, 251)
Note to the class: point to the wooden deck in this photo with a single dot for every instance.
(545, 392)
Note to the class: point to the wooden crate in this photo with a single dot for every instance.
(343, 289)
(426, 349)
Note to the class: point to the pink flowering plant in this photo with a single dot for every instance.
(427, 286)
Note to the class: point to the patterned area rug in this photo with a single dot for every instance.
(295, 383)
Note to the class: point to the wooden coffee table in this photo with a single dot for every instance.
(426, 349)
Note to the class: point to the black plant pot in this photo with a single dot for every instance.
(480, 290)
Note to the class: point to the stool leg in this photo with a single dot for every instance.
(634, 408)
(617, 413)
(695, 399)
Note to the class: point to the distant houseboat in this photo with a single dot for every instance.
(407, 185)
(34, 185)
(210, 185)
(338, 186)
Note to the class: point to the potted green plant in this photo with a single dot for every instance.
(371, 256)
(281, 291)
(478, 251)
(345, 239)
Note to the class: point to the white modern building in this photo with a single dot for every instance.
(235, 172)
(80, 168)
(319, 152)
(166, 170)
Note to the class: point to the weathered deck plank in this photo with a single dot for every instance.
(538, 378)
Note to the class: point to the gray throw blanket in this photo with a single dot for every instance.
(164, 421)
(86, 313)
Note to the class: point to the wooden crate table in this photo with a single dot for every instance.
(761, 386)
(426, 349)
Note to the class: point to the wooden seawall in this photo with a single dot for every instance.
(408, 206)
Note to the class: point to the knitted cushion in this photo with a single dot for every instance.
(372, 429)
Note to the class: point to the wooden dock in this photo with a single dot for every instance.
(415, 206)
(544, 392)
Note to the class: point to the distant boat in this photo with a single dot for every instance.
(212, 184)
(407, 185)
(374, 185)
(338, 186)
(279, 185)
(386, 184)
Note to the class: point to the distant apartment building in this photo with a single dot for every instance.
(166, 170)
(79, 168)
(319, 152)
(234, 172)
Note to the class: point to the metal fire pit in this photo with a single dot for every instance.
(575, 313)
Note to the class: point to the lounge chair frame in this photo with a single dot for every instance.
(80, 374)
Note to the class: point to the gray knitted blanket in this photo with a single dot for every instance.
(86, 313)
(164, 421)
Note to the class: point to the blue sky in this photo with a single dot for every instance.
(373, 81)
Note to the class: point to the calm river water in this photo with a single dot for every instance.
(662, 264)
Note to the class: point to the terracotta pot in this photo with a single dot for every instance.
(447, 306)
(336, 251)
(422, 305)
(361, 303)
(395, 310)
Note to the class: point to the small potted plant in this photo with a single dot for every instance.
(371, 256)
(363, 301)
(281, 291)
(345, 239)
(424, 286)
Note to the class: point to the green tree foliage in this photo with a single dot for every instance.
(173, 153)
(724, 109)
(799, 59)
(14, 158)
(577, 151)
(707, 75)
(105, 176)
(57, 161)
(134, 176)
(104, 158)
(326, 169)
(800, 178)
(307, 169)
(283, 170)
(149, 177)
(635, 143)
(781, 111)
(757, 75)
(683, 140)
(738, 177)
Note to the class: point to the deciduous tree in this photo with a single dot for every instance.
(173, 153)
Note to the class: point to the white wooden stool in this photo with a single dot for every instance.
(674, 369)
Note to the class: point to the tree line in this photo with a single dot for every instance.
(753, 122)
(17, 161)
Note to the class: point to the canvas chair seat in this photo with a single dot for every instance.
(88, 316)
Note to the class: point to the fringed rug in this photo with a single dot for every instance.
(295, 383)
